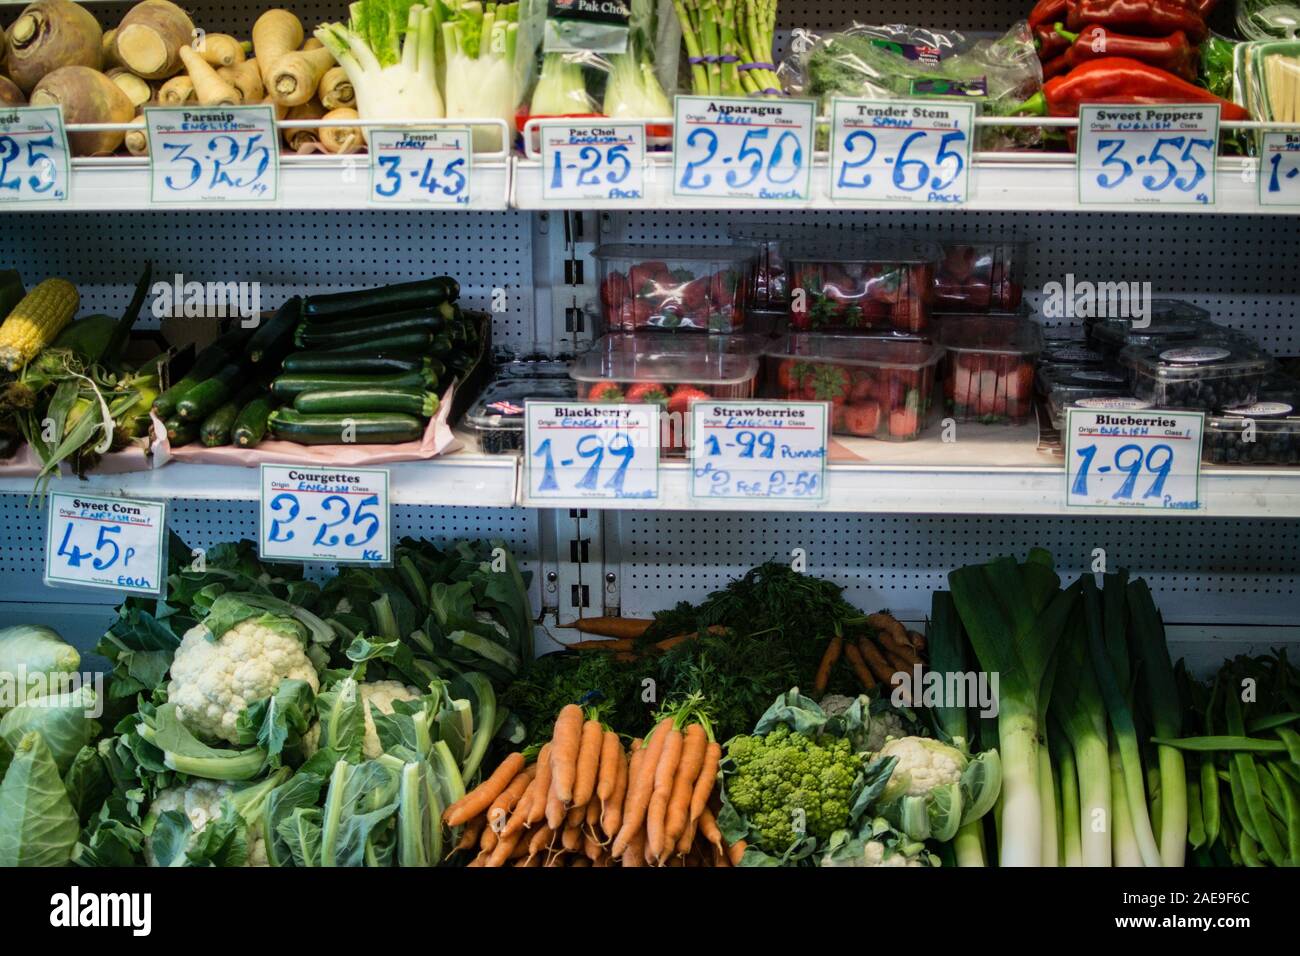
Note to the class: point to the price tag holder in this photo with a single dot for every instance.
(592, 452)
(311, 513)
(743, 149)
(1279, 169)
(752, 449)
(1153, 155)
(1117, 458)
(596, 161)
(111, 543)
(905, 151)
(213, 154)
(33, 155)
(413, 166)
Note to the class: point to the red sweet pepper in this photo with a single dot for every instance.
(1117, 79)
(1154, 18)
(1047, 12)
(1172, 53)
(1049, 43)
(1055, 67)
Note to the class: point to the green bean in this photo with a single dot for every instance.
(1249, 850)
(1195, 818)
(1292, 741)
(1291, 806)
(1209, 790)
(1239, 805)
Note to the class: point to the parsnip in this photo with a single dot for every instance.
(341, 139)
(209, 89)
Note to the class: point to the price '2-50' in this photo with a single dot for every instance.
(786, 145)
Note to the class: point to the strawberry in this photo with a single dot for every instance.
(910, 314)
(695, 297)
(977, 295)
(864, 387)
(605, 392)
(958, 262)
(645, 276)
(862, 419)
(722, 289)
(682, 397)
(986, 398)
(642, 312)
(648, 392)
(828, 383)
(904, 421)
(790, 376)
(1021, 385)
(837, 419)
(613, 291)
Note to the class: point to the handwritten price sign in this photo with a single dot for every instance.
(593, 160)
(222, 154)
(759, 450)
(407, 166)
(1162, 155)
(325, 514)
(1279, 169)
(1133, 459)
(901, 151)
(743, 149)
(33, 155)
(112, 543)
(596, 451)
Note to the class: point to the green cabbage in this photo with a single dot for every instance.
(38, 826)
(31, 650)
(61, 719)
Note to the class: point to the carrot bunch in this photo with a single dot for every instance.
(623, 637)
(587, 801)
(877, 657)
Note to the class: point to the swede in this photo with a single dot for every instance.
(137, 90)
(51, 34)
(87, 96)
(150, 37)
(10, 95)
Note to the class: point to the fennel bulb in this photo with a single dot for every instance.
(479, 57)
(392, 80)
(633, 90)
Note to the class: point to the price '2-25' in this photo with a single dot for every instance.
(336, 506)
(1131, 460)
(748, 153)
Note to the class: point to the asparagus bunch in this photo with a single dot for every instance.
(729, 43)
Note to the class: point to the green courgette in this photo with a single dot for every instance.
(411, 401)
(216, 428)
(250, 424)
(419, 343)
(276, 334)
(423, 294)
(364, 428)
(179, 432)
(376, 363)
(287, 387)
(311, 335)
(206, 397)
(207, 364)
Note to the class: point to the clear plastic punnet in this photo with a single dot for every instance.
(872, 285)
(669, 288)
(1265, 432)
(1065, 385)
(497, 417)
(989, 367)
(1209, 373)
(979, 274)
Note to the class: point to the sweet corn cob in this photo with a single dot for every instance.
(35, 321)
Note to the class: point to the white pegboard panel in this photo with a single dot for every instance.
(202, 524)
(1241, 268)
(1212, 571)
(286, 252)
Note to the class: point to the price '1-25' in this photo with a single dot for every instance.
(600, 167)
(1131, 461)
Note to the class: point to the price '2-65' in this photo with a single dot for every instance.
(905, 168)
(336, 506)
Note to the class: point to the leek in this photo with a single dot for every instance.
(1049, 795)
(1124, 848)
(1110, 662)
(479, 59)
(1162, 692)
(1071, 838)
(1014, 615)
(392, 79)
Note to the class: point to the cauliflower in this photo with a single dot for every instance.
(835, 704)
(212, 681)
(874, 853)
(201, 802)
(380, 695)
(881, 727)
(788, 785)
(923, 764)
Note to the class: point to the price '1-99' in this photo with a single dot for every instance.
(908, 172)
(1131, 461)
(360, 530)
(592, 448)
(779, 161)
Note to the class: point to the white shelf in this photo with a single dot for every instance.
(1032, 182)
(307, 183)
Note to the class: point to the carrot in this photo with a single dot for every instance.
(537, 842)
(521, 849)
(611, 752)
(555, 812)
(856, 661)
(603, 644)
(537, 809)
(706, 781)
(488, 841)
(916, 639)
(523, 816)
(640, 785)
(901, 660)
(576, 815)
(884, 621)
(481, 797)
(694, 749)
(668, 643)
(665, 773)
(580, 861)
(709, 827)
(591, 848)
(472, 833)
(499, 812)
(627, 627)
(735, 852)
(634, 855)
(871, 656)
(687, 838)
(571, 838)
(527, 861)
(590, 746)
(833, 651)
(209, 89)
(275, 33)
(295, 76)
(504, 849)
(479, 860)
(611, 817)
(566, 739)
